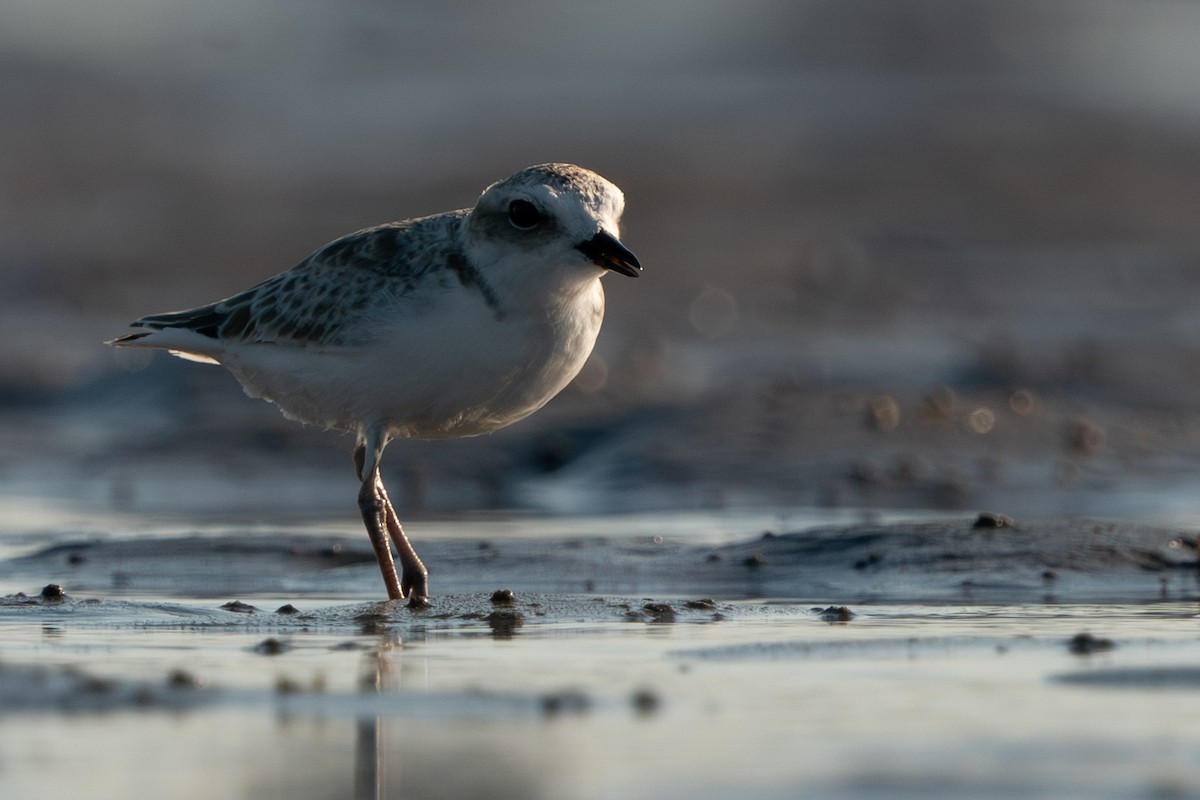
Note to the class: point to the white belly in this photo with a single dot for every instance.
(449, 371)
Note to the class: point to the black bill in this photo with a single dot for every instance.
(604, 250)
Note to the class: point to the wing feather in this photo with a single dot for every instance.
(320, 300)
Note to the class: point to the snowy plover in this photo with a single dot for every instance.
(451, 325)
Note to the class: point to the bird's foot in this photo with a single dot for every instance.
(414, 583)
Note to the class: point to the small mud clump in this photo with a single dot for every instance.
(503, 597)
(835, 614)
(53, 593)
(707, 604)
(238, 607)
(754, 560)
(660, 612)
(989, 520)
(287, 609)
(1085, 644)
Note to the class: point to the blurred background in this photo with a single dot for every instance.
(932, 255)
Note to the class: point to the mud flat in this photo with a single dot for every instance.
(856, 661)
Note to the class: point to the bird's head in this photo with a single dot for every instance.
(551, 217)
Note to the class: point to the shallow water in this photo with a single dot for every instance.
(897, 701)
(119, 692)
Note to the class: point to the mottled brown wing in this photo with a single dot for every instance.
(318, 300)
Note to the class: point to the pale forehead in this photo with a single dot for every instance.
(560, 179)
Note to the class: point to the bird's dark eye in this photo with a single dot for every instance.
(523, 215)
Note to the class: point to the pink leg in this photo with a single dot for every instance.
(374, 506)
(374, 513)
(382, 522)
(414, 580)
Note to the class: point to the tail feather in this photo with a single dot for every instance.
(197, 334)
(179, 341)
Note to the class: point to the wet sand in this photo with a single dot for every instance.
(878, 659)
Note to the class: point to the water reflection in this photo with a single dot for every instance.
(368, 760)
(381, 674)
(461, 750)
(370, 743)
(505, 622)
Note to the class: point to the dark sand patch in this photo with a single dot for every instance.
(72, 689)
(1035, 561)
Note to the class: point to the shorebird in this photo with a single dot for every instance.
(450, 325)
